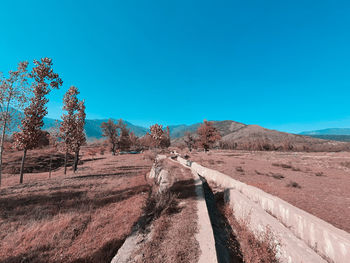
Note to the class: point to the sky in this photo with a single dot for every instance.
(280, 64)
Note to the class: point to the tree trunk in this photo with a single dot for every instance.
(50, 165)
(4, 132)
(76, 160)
(65, 163)
(2, 148)
(22, 166)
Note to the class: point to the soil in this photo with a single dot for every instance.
(173, 232)
(318, 183)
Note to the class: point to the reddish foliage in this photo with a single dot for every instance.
(72, 127)
(44, 80)
(208, 135)
(84, 218)
(160, 137)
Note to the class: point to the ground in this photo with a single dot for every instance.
(82, 217)
(172, 235)
(318, 183)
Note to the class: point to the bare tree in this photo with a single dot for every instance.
(190, 141)
(207, 134)
(146, 141)
(44, 80)
(134, 140)
(110, 130)
(165, 142)
(124, 141)
(13, 96)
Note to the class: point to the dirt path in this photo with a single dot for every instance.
(170, 218)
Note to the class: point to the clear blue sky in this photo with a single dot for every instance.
(279, 64)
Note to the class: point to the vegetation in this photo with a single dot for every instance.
(124, 142)
(44, 80)
(72, 128)
(110, 130)
(190, 141)
(13, 96)
(208, 135)
(160, 137)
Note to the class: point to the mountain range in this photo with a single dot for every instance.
(335, 134)
(244, 136)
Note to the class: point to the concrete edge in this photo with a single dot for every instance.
(329, 241)
(290, 248)
(205, 234)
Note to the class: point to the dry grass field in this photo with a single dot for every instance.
(82, 217)
(318, 183)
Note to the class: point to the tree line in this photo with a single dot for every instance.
(121, 139)
(27, 91)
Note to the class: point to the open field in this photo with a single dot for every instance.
(318, 183)
(82, 217)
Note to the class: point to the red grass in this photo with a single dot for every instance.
(83, 217)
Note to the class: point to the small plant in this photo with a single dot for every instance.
(255, 247)
(293, 184)
(283, 165)
(239, 169)
(345, 164)
(277, 176)
(320, 174)
(286, 166)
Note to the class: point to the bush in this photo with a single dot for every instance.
(293, 184)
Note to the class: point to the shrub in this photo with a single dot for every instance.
(293, 184)
(239, 169)
(320, 174)
(277, 176)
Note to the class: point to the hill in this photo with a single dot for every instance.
(253, 137)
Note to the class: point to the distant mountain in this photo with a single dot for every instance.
(93, 127)
(177, 131)
(330, 131)
(339, 138)
(238, 135)
(334, 134)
